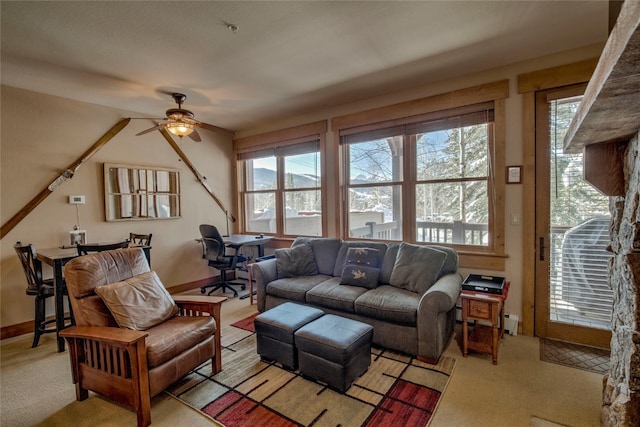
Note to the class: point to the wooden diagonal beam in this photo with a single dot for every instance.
(202, 179)
(64, 176)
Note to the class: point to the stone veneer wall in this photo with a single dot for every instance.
(621, 402)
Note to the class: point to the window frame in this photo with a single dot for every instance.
(278, 142)
(433, 108)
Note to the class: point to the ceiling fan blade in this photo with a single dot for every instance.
(216, 128)
(159, 126)
(195, 136)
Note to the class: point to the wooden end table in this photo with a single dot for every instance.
(479, 306)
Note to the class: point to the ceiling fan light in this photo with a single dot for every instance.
(180, 128)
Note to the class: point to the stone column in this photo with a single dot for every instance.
(621, 401)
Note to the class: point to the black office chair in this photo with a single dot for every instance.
(90, 248)
(214, 250)
(140, 239)
(38, 287)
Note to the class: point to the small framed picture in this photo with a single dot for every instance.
(77, 236)
(514, 174)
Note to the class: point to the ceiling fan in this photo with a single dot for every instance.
(181, 122)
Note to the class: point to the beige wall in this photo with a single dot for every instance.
(36, 145)
(41, 135)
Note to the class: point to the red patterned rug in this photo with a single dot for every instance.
(397, 390)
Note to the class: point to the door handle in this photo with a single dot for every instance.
(541, 250)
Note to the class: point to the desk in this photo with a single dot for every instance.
(57, 258)
(236, 241)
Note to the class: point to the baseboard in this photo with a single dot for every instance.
(21, 328)
(193, 285)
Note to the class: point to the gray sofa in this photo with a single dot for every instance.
(407, 292)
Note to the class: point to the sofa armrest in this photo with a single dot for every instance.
(263, 273)
(434, 322)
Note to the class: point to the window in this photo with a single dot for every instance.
(281, 186)
(452, 179)
(374, 194)
(445, 180)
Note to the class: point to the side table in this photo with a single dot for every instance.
(478, 306)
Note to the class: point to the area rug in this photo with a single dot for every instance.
(396, 390)
(577, 356)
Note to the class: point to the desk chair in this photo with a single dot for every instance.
(213, 250)
(38, 287)
(90, 248)
(140, 239)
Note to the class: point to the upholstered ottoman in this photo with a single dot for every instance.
(275, 328)
(334, 350)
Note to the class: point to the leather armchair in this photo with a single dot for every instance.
(131, 366)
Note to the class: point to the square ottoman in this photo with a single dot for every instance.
(334, 350)
(275, 328)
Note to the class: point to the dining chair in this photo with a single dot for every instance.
(214, 251)
(140, 239)
(39, 288)
(97, 247)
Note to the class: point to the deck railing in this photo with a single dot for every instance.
(456, 232)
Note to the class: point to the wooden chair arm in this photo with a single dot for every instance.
(195, 305)
(119, 336)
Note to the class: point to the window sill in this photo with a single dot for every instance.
(485, 261)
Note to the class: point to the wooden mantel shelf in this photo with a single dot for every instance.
(610, 110)
(609, 114)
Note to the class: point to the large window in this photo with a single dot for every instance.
(281, 188)
(424, 181)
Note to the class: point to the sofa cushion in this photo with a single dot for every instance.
(417, 267)
(344, 248)
(83, 274)
(361, 268)
(296, 261)
(388, 261)
(332, 294)
(171, 338)
(325, 251)
(294, 288)
(139, 302)
(450, 265)
(390, 304)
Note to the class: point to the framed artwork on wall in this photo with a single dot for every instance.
(514, 174)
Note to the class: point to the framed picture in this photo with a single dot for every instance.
(514, 174)
(77, 236)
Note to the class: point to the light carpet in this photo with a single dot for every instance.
(397, 389)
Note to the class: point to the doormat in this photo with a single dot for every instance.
(397, 389)
(587, 358)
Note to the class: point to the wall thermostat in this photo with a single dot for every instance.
(76, 200)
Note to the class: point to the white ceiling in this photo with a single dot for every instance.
(286, 58)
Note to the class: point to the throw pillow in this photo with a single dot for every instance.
(296, 261)
(417, 267)
(360, 275)
(139, 302)
(363, 256)
(361, 268)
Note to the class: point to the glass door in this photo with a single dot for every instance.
(573, 298)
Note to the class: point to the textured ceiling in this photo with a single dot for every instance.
(286, 58)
